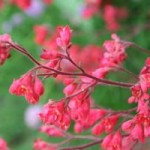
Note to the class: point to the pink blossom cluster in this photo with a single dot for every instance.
(111, 14)
(71, 65)
(139, 126)
(23, 4)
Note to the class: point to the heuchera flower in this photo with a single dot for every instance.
(79, 108)
(41, 33)
(3, 144)
(107, 124)
(138, 128)
(22, 4)
(55, 113)
(88, 12)
(64, 37)
(51, 130)
(114, 53)
(127, 143)
(91, 8)
(69, 89)
(4, 47)
(39, 144)
(112, 15)
(137, 94)
(145, 76)
(50, 54)
(112, 141)
(29, 86)
(93, 116)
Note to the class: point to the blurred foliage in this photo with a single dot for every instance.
(134, 28)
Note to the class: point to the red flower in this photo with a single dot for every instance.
(52, 130)
(23, 4)
(29, 86)
(107, 124)
(3, 145)
(39, 144)
(55, 113)
(113, 141)
(65, 35)
(4, 47)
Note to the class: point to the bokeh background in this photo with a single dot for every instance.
(15, 124)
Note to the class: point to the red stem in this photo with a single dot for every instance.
(108, 82)
(83, 146)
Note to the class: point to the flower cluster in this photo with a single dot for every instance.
(60, 60)
(110, 13)
(29, 86)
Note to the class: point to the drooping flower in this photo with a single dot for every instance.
(137, 94)
(29, 86)
(4, 47)
(93, 116)
(112, 141)
(55, 113)
(79, 108)
(138, 128)
(39, 144)
(106, 124)
(52, 130)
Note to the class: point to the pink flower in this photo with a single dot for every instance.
(50, 54)
(98, 129)
(29, 86)
(24, 4)
(88, 12)
(101, 72)
(69, 89)
(114, 53)
(112, 15)
(138, 132)
(107, 141)
(4, 47)
(39, 144)
(55, 113)
(3, 144)
(137, 94)
(145, 81)
(93, 116)
(41, 33)
(64, 37)
(51, 130)
(113, 141)
(127, 143)
(79, 108)
(138, 128)
(107, 124)
(128, 125)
